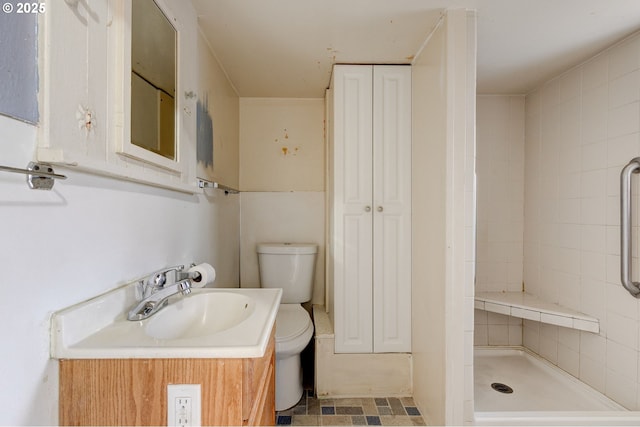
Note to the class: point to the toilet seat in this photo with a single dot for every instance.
(292, 320)
(294, 329)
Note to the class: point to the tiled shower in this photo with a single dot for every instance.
(548, 215)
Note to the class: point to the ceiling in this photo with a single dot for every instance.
(285, 48)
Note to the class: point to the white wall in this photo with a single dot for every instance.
(90, 234)
(281, 144)
(87, 236)
(282, 179)
(443, 211)
(223, 106)
(500, 211)
(500, 196)
(296, 217)
(428, 257)
(581, 129)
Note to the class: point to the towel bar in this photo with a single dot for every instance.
(625, 227)
(40, 176)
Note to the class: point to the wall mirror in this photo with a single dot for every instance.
(153, 79)
(151, 128)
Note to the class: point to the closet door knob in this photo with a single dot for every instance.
(380, 208)
(367, 208)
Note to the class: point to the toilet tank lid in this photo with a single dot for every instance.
(287, 248)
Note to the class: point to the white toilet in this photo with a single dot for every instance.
(289, 266)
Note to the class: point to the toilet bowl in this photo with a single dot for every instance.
(291, 267)
(294, 330)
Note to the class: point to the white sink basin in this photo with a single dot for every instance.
(208, 323)
(199, 314)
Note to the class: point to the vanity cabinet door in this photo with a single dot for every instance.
(119, 392)
(134, 391)
(259, 389)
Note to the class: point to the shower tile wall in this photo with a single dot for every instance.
(500, 204)
(581, 129)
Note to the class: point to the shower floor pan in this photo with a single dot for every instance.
(542, 394)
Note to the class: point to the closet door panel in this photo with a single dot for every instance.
(352, 209)
(354, 332)
(353, 135)
(392, 208)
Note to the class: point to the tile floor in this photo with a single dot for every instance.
(378, 411)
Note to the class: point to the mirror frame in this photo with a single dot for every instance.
(122, 124)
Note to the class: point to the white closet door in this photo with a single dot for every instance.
(392, 209)
(352, 209)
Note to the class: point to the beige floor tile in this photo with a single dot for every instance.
(381, 401)
(418, 421)
(408, 401)
(369, 407)
(395, 420)
(349, 410)
(396, 406)
(305, 420)
(358, 420)
(313, 406)
(384, 410)
(300, 408)
(335, 420)
(356, 401)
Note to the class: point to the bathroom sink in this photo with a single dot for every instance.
(207, 323)
(199, 314)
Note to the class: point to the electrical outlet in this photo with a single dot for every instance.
(183, 412)
(183, 405)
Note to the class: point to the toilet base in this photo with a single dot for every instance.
(288, 382)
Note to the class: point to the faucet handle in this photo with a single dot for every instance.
(156, 280)
(159, 278)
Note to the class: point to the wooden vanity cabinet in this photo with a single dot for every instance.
(134, 391)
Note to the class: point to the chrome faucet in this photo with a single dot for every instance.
(157, 280)
(156, 292)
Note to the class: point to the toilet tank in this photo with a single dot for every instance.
(290, 266)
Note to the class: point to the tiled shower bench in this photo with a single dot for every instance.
(527, 306)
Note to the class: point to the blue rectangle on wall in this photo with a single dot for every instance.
(18, 62)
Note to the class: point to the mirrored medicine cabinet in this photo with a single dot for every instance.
(114, 90)
(152, 135)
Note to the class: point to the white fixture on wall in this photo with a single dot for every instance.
(184, 405)
(370, 193)
(88, 82)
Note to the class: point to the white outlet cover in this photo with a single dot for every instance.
(177, 391)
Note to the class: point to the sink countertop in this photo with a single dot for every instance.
(98, 329)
